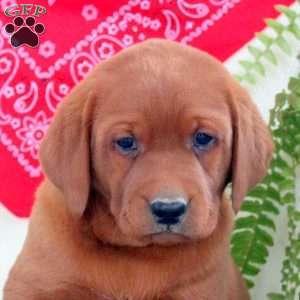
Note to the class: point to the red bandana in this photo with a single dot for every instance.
(70, 38)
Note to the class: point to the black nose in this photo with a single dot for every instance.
(168, 213)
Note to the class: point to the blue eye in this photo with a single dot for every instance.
(126, 145)
(202, 140)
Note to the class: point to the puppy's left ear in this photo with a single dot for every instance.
(65, 150)
(252, 145)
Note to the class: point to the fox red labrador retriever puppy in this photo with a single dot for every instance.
(136, 162)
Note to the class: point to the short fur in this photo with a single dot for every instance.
(91, 234)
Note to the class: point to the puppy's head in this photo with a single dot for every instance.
(146, 144)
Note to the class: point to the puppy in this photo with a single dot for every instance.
(136, 163)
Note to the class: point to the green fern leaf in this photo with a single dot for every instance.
(273, 296)
(272, 116)
(268, 206)
(293, 28)
(252, 237)
(281, 164)
(261, 250)
(246, 64)
(249, 283)
(286, 185)
(258, 191)
(239, 256)
(245, 222)
(291, 14)
(280, 100)
(250, 78)
(269, 55)
(255, 51)
(240, 239)
(278, 27)
(266, 221)
(264, 38)
(259, 68)
(238, 77)
(256, 258)
(276, 177)
(288, 198)
(264, 237)
(251, 206)
(294, 101)
(283, 45)
(294, 85)
(250, 270)
(273, 193)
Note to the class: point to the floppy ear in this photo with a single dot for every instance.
(65, 150)
(252, 146)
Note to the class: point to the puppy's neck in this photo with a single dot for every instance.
(139, 272)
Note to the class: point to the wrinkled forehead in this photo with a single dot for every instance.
(165, 85)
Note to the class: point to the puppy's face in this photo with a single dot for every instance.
(162, 131)
(161, 153)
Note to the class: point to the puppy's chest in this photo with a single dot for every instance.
(104, 297)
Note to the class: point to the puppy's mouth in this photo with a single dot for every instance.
(168, 238)
(168, 228)
(168, 234)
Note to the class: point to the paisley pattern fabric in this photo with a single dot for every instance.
(33, 81)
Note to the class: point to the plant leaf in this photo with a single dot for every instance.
(258, 192)
(278, 27)
(251, 206)
(291, 14)
(269, 55)
(246, 64)
(259, 68)
(256, 52)
(264, 237)
(294, 30)
(245, 222)
(268, 206)
(250, 78)
(283, 45)
(242, 238)
(264, 38)
(280, 99)
(250, 270)
(288, 198)
(249, 283)
(266, 221)
(256, 258)
(294, 85)
(261, 250)
(273, 296)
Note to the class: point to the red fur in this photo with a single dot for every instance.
(91, 231)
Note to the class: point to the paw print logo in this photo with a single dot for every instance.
(24, 32)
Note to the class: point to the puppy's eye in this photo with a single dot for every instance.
(127, 145)
(202, 140)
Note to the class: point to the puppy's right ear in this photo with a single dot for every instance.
(65, 150)
(252, 146)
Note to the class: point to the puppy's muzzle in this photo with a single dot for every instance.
(168, 211)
